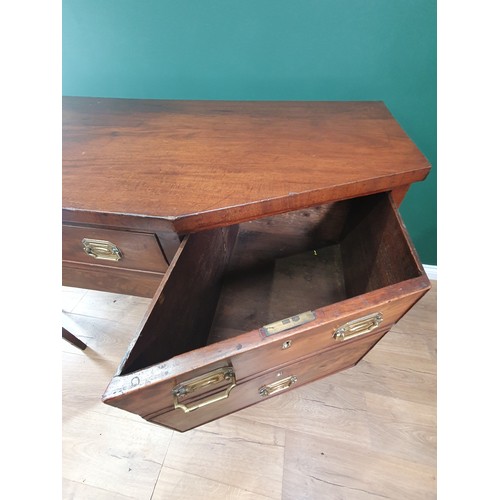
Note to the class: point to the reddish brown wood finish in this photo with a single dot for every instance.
(376, 282)
(290, 174)
(108, 279)
(306, 370)
(138, 272)
(399, 193)
(149, 391)
(140, 251)
(194, 165)
(185, 302)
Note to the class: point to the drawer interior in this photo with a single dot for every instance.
(229, 281)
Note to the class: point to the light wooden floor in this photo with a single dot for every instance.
(366, 433)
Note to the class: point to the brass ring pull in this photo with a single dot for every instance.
(358, 326)
(203, 381)
(101, 249)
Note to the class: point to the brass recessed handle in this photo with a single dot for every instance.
(280, 385)
(358, 326)
(197, 383)
(101, 249)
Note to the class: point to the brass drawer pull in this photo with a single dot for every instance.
(278, 386)
(358, 326)
(100, 249)
(197, 383)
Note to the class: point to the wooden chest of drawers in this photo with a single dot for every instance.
(267, 235)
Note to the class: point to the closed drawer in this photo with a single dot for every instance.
(264, 295)
(112, 248)
(111, 279)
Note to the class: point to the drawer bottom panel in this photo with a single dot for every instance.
(273, 383)
(113, 280)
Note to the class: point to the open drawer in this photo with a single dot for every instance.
(248, 311)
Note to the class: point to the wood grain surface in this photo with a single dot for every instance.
(384, 277)
(201, 164)
(139, 251)
(170, 347)
(110, 279)
(366, 433)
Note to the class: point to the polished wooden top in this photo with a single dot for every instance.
(200, 164)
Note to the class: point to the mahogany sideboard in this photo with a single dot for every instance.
(266, 233)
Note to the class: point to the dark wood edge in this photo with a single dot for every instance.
(91, 266)
(75, 341)
(125, 222)
(406, 235)
(226, 216)
(399, 193)
(234, 215)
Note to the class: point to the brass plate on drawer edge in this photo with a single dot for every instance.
(287, 323)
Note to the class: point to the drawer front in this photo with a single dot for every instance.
(109, 279)
(148, 392)
(112, 248)
(327, 330)
(268, 385)
(358, 266)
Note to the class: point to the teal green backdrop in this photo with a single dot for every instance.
(267, 50)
